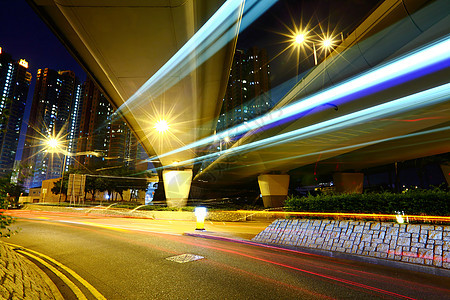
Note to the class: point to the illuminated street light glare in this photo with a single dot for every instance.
(327, 43)
(161, 126)
(299, 38)
(52, 143)
(227, 139)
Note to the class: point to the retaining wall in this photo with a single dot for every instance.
(412, 243)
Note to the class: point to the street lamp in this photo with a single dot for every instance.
(161, 126)
(301, 38)
(55, 145)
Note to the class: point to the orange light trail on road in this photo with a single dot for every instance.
(333, 278)
(348, 215)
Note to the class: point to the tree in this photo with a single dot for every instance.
(5, 221)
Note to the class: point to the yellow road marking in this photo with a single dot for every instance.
(91, 289)
(63, 277)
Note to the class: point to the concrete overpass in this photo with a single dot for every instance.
(393, 30)
(122, 44)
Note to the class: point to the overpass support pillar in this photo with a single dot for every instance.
(274, 189)
(446, 170)
(177, 184)
(348, 183)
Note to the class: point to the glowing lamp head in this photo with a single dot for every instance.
(53, 143)
(161, 126)
(327, 43)
(200, 212)
(227, 139)
(299, 38)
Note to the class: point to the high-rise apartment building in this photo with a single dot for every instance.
(103, 139)
(248, 90)
(52, 115)
(14, 84)
(93, 137)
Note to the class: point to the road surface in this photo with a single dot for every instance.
(139, 259)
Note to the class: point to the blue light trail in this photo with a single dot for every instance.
(418, 100)
(209, 39)
(434, 54)
(355, 146)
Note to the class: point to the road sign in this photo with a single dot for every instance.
(76, 185)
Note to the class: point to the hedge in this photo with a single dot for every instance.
(416, 202)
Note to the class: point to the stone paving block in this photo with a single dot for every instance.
(403, 241)
(413, 228)
(446, 256)
(358, 228)
(446, 245)
(375, 226)
(329, 227)
(344, 224)
(425, 253)
(392, 231)
(382, 248)
(437, 261)
(427, 227)
(4, 293)
(429, 262)
(423, 238)
(435, 235)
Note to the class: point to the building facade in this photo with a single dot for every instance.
(51, 116)
(104, 139)
(248, 91)
(14, 84)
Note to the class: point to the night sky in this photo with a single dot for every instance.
(24, 35)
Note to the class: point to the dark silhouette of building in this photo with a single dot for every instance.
(14, 84)
(248, 91)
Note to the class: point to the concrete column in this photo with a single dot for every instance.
(274, 189)
(177, 185)
(446, 170)
(348, 183)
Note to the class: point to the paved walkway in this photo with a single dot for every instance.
(21, 279)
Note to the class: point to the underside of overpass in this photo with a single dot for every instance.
(128, 48)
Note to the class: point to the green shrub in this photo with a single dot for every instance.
(5, 221)
(417, 202)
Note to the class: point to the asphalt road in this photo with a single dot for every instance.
(126, 259)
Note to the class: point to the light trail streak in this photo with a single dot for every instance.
(349, 215)
(320, 275)
(425, 98)
(208, 40)
(275, 283)
(430, 55)
(350, 147)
